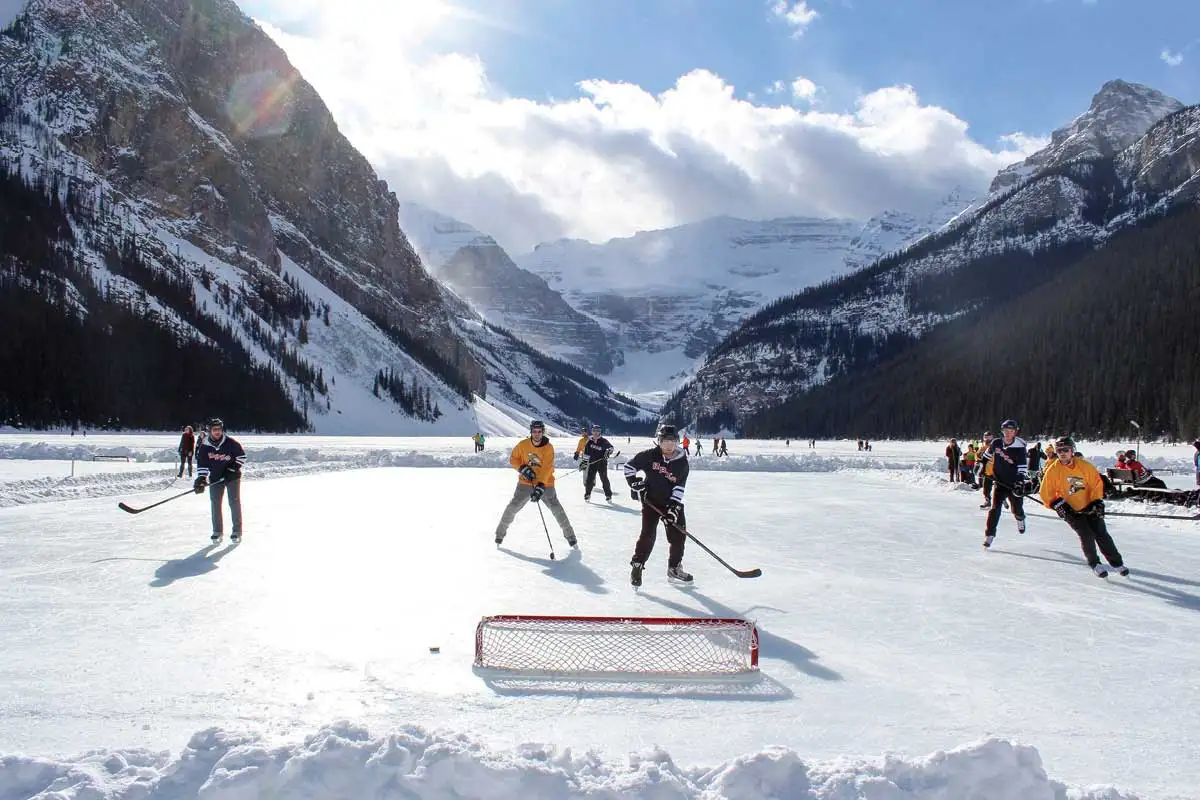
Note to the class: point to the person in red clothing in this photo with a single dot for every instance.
(187, 448)
(1142, 476)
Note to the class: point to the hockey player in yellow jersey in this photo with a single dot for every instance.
(1073, 489)
(533, 459)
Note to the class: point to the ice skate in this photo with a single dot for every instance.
(987, 541)
(1020, 526)
(635, 576)
(1100, 571)
(677, 574)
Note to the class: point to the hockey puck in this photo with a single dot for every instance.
(435, 649)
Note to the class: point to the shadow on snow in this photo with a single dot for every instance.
(198, 563)
(568, 569)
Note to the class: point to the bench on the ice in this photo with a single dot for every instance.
(1124, 484)
(110, 458)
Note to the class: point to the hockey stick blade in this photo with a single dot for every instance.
(741, 573)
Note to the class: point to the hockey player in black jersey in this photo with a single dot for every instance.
(1008, 456)
(595, 455)
(661, 490)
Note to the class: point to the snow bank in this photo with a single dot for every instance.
(344, 760)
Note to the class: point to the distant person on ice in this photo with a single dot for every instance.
(1008, 456)
(596, 453)
(219, 464)
(953, 454)
(533, 459)
(187, 448)
(1072, 488)
(660, 494)
(1196, 460)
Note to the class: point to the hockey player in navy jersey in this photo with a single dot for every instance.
(1008, 456)
(596, 452)
(219, 462)
(665, 467)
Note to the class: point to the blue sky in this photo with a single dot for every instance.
(1019, 65)
(535, 119)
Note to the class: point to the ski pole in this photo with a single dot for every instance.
(132, 510)
(545, 528)
(741, 573)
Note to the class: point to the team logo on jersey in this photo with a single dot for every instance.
(661, 469)
(1075, 484)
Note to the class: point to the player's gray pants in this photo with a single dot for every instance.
(520, 499)
(216, 493)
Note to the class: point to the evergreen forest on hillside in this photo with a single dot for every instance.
(75, 354)
(1112, 338)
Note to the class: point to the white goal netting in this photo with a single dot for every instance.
(624, 645)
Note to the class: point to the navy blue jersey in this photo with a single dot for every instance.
(597, 450)
(1010, 463)
(212, 458)
(665, 477)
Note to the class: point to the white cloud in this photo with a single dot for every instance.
(616, 158)
(798, 15)
(1024, 143)
(1171, 59)
(803, 89)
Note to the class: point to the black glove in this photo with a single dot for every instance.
(538, 491)
(637, 489)
(528, 474)
(233, 472)
(1095, 508)
(198, 486)
(1060, 507)
(576, 456)
(672, 512)
(1018, 489)
(584, 463)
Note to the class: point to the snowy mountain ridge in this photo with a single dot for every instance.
(170, 130)
(478, 270)
(1120, 113)
(665, 297)
(1027, 230)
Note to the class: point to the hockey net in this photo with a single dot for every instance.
(652, 646)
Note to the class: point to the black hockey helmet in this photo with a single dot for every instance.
(667, 432)
(215, 422)
(537, 425)
(1010, 423)
(1064, 441)
(596, 427)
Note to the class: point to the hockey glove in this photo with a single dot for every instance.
(1060, 507)
(576, 456)
(672, 512)
(538, 491)
(1096, 509)
(232, 473)
(584, 463)
(1018, 489)
(198, 486)
(637, 488)
(528, 474)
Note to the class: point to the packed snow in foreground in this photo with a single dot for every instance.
(884, 626)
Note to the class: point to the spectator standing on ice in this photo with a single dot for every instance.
(219, 463)
(953, 454)
(1196, 460)
(187, 448)
(533, 459)
(1072, 488)
(660, 493)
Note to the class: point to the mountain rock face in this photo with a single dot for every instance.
(209, 191)
(666, 297)
(1016, 239)
(1119, 115)
(479, 271)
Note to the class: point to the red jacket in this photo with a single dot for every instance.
(187, 444)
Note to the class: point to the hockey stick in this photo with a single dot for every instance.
(1108, 513)
(132, 510)
(741, 573)
(545, 528)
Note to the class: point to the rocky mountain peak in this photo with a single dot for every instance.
(1120, 113)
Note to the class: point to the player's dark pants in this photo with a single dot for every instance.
(185, 459)
(1000, 493)
(1093, 532)
(954, 470)
(988, 480)
(645, 542)
(216, 493)
(589, 480)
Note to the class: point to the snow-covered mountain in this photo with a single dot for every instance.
(1119, 115)
(666, 296)
(478, 270)
(198, 183)
(1015, 240)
